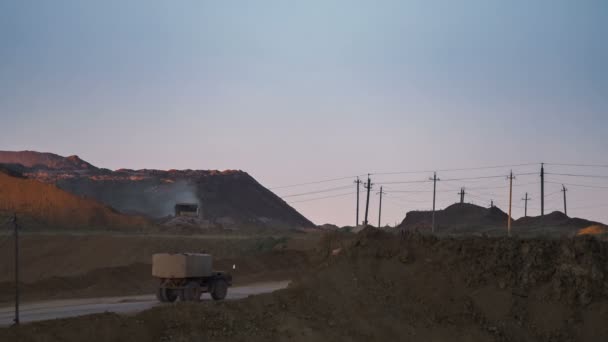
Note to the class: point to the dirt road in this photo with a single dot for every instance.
(41, 311)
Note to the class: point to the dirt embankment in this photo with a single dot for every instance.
(63, 266)
(385, 287)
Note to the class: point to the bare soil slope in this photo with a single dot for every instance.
(384, 287)
(33, 159)
(58, 208)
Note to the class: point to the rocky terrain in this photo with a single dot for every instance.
(227, 199)
(377, 286)
(470, 219)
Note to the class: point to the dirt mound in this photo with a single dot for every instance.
(54, 207)
(39, 160)
(470, 219)
(554, 219)
(226, 199)
(382, 286)
(455, 218)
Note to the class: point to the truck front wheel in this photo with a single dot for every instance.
(219, 289)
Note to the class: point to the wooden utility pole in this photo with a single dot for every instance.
(434, 179)
(16, 232)
(564, 190)
(369, 188)
(358, 182)
(526, 199)
(542, 189)
(381, 192)
(510, 202)
(461, 193)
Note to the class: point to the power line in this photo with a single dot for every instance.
(487, 177)
(317, 192)
(456, 169)
(417, 191)
(575, 175)
(311, 183)
(324, 197)
(553, 193)
(577, 165)
(446, 170)
(590, 207)
(505, 186)
(582, 185)
(407, 182)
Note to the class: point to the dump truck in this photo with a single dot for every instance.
(187, 276)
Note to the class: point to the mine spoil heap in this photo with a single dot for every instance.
(226, 199)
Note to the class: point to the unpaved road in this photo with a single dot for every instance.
(41, 311)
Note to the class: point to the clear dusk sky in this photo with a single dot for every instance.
(299, 91)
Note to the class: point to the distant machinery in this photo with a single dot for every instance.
(186, 209)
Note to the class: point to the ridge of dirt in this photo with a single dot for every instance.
(380, 286)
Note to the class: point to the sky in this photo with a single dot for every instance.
(301, 91)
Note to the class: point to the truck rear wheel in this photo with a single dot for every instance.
(191, 292)
(166, 295)
(219, 289)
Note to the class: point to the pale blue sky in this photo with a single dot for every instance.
(300, 91)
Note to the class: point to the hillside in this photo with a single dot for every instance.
(54, 207)
(227, 199)
(468, 218)
(38, 160)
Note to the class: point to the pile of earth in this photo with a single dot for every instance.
(226, 199)
(471, 219)
(381, 286)
(38, 204)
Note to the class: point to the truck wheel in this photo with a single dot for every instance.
(219, 289)
(160, 295)
(166, 295)
(191, 292)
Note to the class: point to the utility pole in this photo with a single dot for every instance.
(564, 190)
(434, 179)
(462, 193)
(358, 182)
(510, 201)
(16, 232)
(369, 188)
(380, 208)
(542, 189)
(526, 199)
